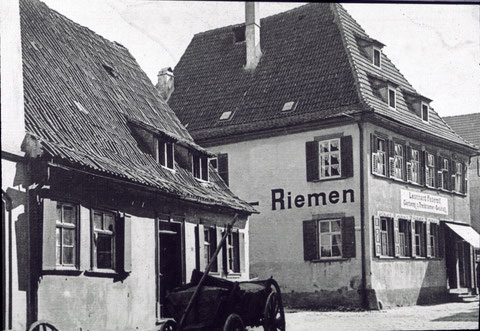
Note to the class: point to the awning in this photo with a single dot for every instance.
(467, 233)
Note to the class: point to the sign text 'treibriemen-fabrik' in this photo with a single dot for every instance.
(280, 201)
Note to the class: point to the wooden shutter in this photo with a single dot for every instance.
(373, 143)
(312, 160)
(465, 178)
(223, 166)
(204, 161)
(49, 234)
(161, 152)
(391, 166)
(412, 237)
(243, 252)
(310, 240)
(438, 172)
(453, 171)
(348, 237)
(406, 160)
(199, 247)
(376, 236)
(422, 168)
(409, 171)
(347, 156)
(396, 237)
(236, 251)
(224, 255)
(127, 243)
(441, 240)
(427, 234)
(391, 158)
(374, 163)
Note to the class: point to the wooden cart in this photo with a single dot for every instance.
(226, 305)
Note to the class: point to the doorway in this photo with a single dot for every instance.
(463, 264)
(169, 261)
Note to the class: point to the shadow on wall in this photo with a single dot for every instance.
(434, 286)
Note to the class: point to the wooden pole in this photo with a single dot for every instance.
(205, 274)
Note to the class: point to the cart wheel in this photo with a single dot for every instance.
(233, 323)
(274, 316)
(42, 326)
(169, 325)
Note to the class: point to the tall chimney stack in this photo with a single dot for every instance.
(252, 34)
(165, 83)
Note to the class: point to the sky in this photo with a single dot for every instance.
(436, 47)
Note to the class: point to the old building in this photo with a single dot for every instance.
(467, 126)
(107, 202)
(357, 179)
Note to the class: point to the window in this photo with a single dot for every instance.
(386, 235)
(434, 240)
(232, 253)
(413, 167)
(329, 151)
(392, 97)
(226, 115)
(419, 236)
(330, 238)
(289, 106)
(329, 157)
(458, 176)
(66, 235)
(398, 167)
(377, 57)
(103, 238)
(165, 154)
(200, 167)
(210, 244)
(379, 157)
(404, 237)
(425, 112)
(442, 179)
(430, 170)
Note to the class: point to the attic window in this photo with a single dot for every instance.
(289, 106)
(80, 107)
(200, 167)
(425, 112)
(392, 98)
(109, 70)
(165, 153)
(239, 34)
(226, 115)
(377, 57)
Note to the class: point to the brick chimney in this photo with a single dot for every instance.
(165, 83)
(252, 35)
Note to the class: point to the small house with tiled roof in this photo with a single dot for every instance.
(358, 181)
(107, 201)
(468, 127)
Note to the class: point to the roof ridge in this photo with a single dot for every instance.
(462, 115)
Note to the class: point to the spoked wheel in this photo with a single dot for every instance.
(274, 315)
(42, 326)
(169, 325)
(233, 323)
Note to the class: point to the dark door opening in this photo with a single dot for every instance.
(170, 261)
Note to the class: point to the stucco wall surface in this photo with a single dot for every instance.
(474, 192)
(276, 236)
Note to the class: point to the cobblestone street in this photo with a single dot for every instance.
(449, 316)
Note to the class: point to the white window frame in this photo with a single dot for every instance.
(386, 237)
(62, 226)
(458, 176)
(420, 239)
(200, 167)
(415, 166)
(231, 253)
(379, 157)
(324, 155)
(209, 246)
(376, 49)
(331, 233)
(103, 232)
(430, 170)
(166, 154)
(395, 97)
(404, 238)
(423, 104)
(399, 168)
(434, 239)
(443, 172)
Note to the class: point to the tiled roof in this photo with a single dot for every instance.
(310, 55)
(467, 126)
(81, 93)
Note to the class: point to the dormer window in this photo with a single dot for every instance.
(165, 153)
(425, 109)
(200, 167)
(392, 98)
(377, 57)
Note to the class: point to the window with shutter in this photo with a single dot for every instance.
(429, 170)
(377, 237)
(413, 170)
(222, 163)
(404, 237)
(396, 237)
(103, 232)
(209, 246)
(413, 239)
(379, 156)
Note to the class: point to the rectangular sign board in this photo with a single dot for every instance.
(424, 202)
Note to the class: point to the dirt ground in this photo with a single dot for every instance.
(448, 316)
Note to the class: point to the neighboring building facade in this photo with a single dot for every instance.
(467, 126)
(107, 202)
(356, 177)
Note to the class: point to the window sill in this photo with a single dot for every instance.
(62, 271)
(327, 179)
(339, 259)
(102, 273)
(414, 183)
(234, 275)
(386, 257)
(169, 169)
(398, 179)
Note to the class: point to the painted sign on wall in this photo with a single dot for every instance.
(424, 202)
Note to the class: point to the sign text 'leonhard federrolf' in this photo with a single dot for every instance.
(424, 202)
(280, 201)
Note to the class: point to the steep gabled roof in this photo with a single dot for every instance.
(467, 126)
(310, 56)
(82, 94)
